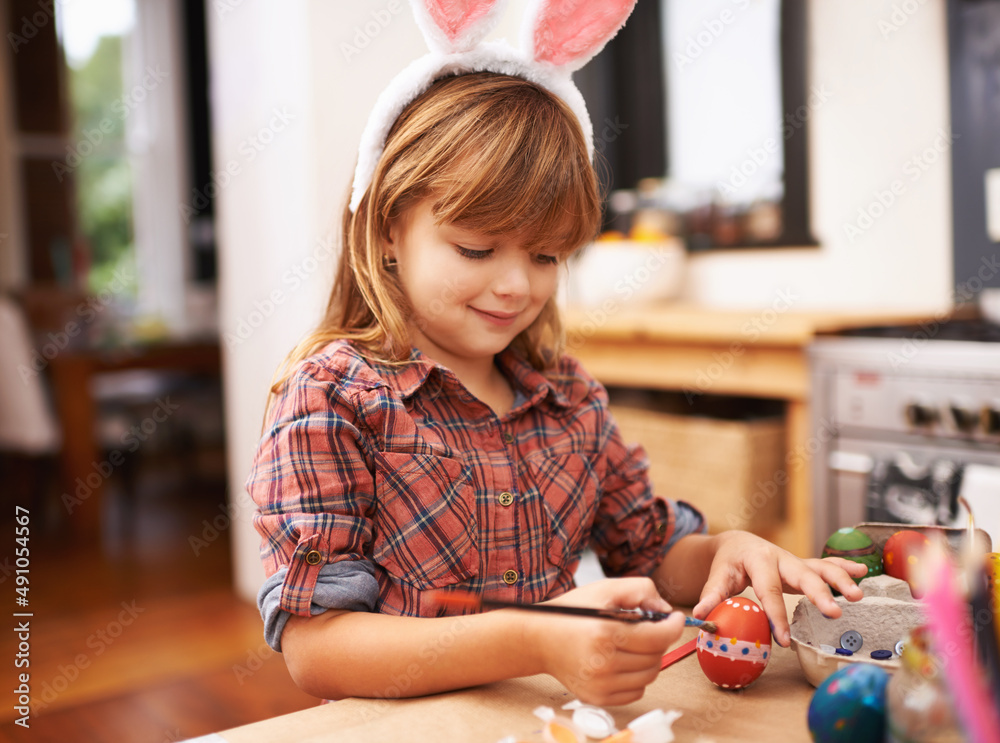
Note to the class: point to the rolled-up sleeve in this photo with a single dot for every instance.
(312, 484)
(349, 585)
(634, 527)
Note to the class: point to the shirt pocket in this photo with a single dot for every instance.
(570, 491)
(425, 524)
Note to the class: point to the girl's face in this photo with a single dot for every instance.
(471, 294)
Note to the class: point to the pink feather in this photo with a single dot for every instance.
(948, 620)
(573, 31)
(455, 17)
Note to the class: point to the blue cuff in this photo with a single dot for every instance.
(348, 584)
(687, 520)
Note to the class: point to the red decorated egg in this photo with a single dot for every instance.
(901, 553)
(735, 656)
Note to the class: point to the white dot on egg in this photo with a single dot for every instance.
(746, 607)
(755, 609)
(725, 686)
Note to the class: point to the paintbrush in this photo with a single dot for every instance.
(474, 601)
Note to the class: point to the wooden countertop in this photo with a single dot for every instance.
(773, 707)
(689, 323)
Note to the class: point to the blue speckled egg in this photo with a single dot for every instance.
(850, 706)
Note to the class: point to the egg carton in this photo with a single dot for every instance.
(883, 617)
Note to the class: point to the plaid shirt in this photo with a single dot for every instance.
(401, 466)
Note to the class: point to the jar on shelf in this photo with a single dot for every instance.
(919, 708)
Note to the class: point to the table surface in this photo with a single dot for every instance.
(777, 701)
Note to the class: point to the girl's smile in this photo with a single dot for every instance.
(503, 319)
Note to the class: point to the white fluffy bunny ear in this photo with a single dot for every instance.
(569, 33)
(452, 26)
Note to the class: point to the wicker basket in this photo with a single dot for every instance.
(732, 470)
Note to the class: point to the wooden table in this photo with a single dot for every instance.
(772, 708)
(754, 354)
(72, 372)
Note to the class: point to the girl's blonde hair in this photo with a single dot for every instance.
(498, 155)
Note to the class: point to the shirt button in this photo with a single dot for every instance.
(505, 499)
(508, 437)
(510, 577)
(313, 557)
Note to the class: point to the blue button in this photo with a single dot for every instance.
(881, 654)
(844, 651)
(851, 640)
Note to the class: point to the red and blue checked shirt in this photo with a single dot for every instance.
(402, 467)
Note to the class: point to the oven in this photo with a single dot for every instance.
(905, 420)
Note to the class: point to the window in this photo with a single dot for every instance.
(95, 35)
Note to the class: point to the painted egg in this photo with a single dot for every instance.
(855, 546)
(850, 706)
(901, 553)
(735, 656)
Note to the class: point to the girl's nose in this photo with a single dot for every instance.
(513, 278)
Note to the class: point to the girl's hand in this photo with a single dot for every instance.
(743, 559)
(603, 661)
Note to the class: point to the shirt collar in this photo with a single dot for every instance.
(407, 378)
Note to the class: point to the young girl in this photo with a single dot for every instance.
(430, 434)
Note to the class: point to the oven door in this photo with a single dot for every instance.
(860, 490)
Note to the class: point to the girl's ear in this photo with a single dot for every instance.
(451, 26)
(569, 33)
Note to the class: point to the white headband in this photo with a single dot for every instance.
(557, 37)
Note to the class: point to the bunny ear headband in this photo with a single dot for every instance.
(557, 37)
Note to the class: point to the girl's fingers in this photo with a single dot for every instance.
(724, 580)
(766, 581)
(840, 574)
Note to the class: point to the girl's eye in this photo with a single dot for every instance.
(476, 255)
(549, 260)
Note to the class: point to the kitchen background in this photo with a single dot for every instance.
(171, 178)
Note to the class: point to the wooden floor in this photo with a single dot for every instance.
(137, 638)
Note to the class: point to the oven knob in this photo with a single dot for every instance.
(965, 420)
(990, 420)
(919, 415)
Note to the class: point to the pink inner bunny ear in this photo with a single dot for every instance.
(570, 32)
(455, 18)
